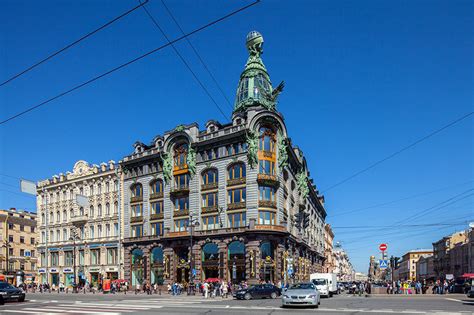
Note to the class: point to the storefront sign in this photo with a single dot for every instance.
(53, 270)
(94, 245)
(67, 270)
(110, 245)
(41, 270)
(94, 269)
(111, 269)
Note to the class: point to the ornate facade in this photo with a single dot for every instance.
(234, 201)
(75, 236)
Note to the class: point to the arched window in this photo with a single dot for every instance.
(236, 250)
(137, 256)
(243, 91)
(91, 211)
(115, 207)
(43, 218)
(209, 177)
(157, 255)
(64, 216)
(71, 213)
(137, 266)
(99, 210)
(107, 209)
(58, 216)
(266, 249)
(210, 251)
(266, 140)
(137, 190)
(157, 187)
(81, 211)
(180, 155)
(237, 171)
(51, 217)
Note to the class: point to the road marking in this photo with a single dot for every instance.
(28, 312)
(461, 301)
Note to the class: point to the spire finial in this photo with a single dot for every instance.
(255, 43)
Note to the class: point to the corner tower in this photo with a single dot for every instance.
(255, 88)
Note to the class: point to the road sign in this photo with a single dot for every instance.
(383, 247)
(383, 263)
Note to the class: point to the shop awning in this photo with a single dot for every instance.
(468, 275)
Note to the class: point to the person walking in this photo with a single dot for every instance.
(206, 290)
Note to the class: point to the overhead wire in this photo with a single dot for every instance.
(128, 63)
(77, 41)
(201, 84)
(405, 148)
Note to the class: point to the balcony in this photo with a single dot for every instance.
(237, 205)
(209, 209)
(179, 190)
(136, 199)
(236, 181)
(278, 228)
(209, 186)
(178, 234)
(158, 195)
(79, 219)
(136, 219)
(268, 180)
(181, 213)
(267, 204)
(157, 216)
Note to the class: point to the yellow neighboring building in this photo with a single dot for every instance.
(408, 264)
(17, 245)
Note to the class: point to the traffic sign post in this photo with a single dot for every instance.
(383, 263)
(383, 247)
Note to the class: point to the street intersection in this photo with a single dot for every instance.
(165, 304)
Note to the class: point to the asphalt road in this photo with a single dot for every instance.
(165, 304)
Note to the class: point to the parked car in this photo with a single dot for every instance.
(10, 293)
(470, 293)
(258, 291)
(301, 294)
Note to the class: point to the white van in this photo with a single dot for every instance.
(326, 283)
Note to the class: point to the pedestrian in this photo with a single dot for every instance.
(224, 290)
(206, 290)
(137, 288)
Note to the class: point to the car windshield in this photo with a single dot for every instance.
(4, 285)
(302, 286)
(319, 281)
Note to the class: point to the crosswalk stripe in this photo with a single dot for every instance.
(114, 308)
(27, 312)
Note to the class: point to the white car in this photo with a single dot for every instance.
(301, 294)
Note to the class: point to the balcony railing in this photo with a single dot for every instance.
(79, 219)
(267, 179)
(157, 195)
(181, 213)
(278, 228)
(180, 190)
(136, 219)
(157, 216)
(237, 205)
(211, 209)
(236, 181)
(136, 199)
(267, 204)
(178, 234)
(209, 186)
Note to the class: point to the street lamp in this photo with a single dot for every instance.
(74, 237)
(191, 223)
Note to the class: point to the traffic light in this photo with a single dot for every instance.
(305, 220)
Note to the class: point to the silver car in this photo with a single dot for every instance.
(301, 294)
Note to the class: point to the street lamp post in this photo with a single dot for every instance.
(74, 238)
(192, 223)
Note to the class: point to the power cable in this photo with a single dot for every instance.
(129, 62)
(72, 44)
(397, 200)
(400, 151)
(197, 54)
(184, 61)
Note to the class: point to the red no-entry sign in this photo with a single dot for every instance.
(383, 247)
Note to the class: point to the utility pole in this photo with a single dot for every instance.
(73, 238)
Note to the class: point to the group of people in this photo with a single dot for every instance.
(420, 287)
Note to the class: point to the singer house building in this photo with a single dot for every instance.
(233, 201)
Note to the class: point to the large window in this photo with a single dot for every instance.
(180, 225)
(68, 258)
(237, 219)
(267, 140)
(137, 210)
(157, 187)
(91, 232)
(180, 155)
(267, 193)
(181, 181)
(266, 217)
(243, 91)
(210, 222)
(266, 167)
(181, 203)
(157, 229)
(237, 171)
(111, 256)
(266, 250)
(209, 177)
(81, 257)
(156, 207)
(54, 259)
(236, 195)
(209, 200)
(137, 190)
(137, 230)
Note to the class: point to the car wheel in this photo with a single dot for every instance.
(21, 299)
(273, 295)
(1, 300)
(316, 306)
(248, 296)
(330, 294)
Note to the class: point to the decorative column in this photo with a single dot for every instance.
(252, 261)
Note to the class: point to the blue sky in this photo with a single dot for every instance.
(363, 79)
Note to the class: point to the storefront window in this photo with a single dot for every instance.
(54, 258)
(68, 258)
(266, 249)
(157, 267)
(137, 267)
(95, 256)
(111, 256)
